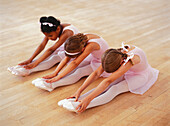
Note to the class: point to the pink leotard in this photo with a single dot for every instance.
(96, 55)
(60, 50)
(141, 76)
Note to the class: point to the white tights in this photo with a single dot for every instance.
(84, 69)
(44, 65)
(116, 88)
(74, 77)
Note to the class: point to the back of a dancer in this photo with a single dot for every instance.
(55, 31)
(86, 49)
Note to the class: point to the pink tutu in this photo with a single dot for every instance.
(141, 76)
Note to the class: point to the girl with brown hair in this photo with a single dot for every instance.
(127, 70)
(52, 30)
(83, 56)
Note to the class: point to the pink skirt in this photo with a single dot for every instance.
(140, 82)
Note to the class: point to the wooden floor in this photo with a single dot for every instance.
(145, 23)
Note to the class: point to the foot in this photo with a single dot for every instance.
(60, 103)
(13, 67)
(18, 70)
(37, 80)
(21, 71)
(41, 85)
(71, 106)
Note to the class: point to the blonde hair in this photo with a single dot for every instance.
(111, 59)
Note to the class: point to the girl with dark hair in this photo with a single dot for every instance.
(126, 69)
(55, 31)
(84, 52)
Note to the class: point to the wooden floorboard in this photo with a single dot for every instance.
(139, 22)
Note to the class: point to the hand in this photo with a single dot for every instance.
(75, 95)
(50, 76)
(83, 105)
(25, 62)
(52, 80)
(30, 66)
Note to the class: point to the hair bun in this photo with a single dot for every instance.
(50, 19)
(49, 24)
(43, 19)
(53, 20)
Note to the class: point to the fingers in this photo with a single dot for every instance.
(21, 64)
(27, 67)
(51, 80)
(76, 99)
(46, 77)
(48, 81)
(71, 97)
(79, 106)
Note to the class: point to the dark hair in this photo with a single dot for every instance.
(75, 44)
(46, 28)
(111, 59)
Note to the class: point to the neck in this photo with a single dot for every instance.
(61, 30)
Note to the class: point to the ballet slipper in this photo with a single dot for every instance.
(41, 85)
(21, 71)
(13, 67)
(37, 80)
(69, 106)
(61, 102)
(49, 85)
(10, 69)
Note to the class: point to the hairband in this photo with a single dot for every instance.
(130, 56)
(47, 23)
(123, 47)
(72, 54)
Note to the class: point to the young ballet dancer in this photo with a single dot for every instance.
(55, 31)
(85, 50)
(129, 71)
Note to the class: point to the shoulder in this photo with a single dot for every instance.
(67, 30)
(93, 45)
(65, 24)
(90, 47)
(136, 59)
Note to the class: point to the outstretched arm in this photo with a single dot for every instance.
(37, 51)
(102, 86)
(50, 50)
(93, 76)
(89, 48)
(59, 67)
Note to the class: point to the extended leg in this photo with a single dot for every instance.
(67, 80)
(113, 83)
(74, 77)
(46, 64)
(105, 97)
